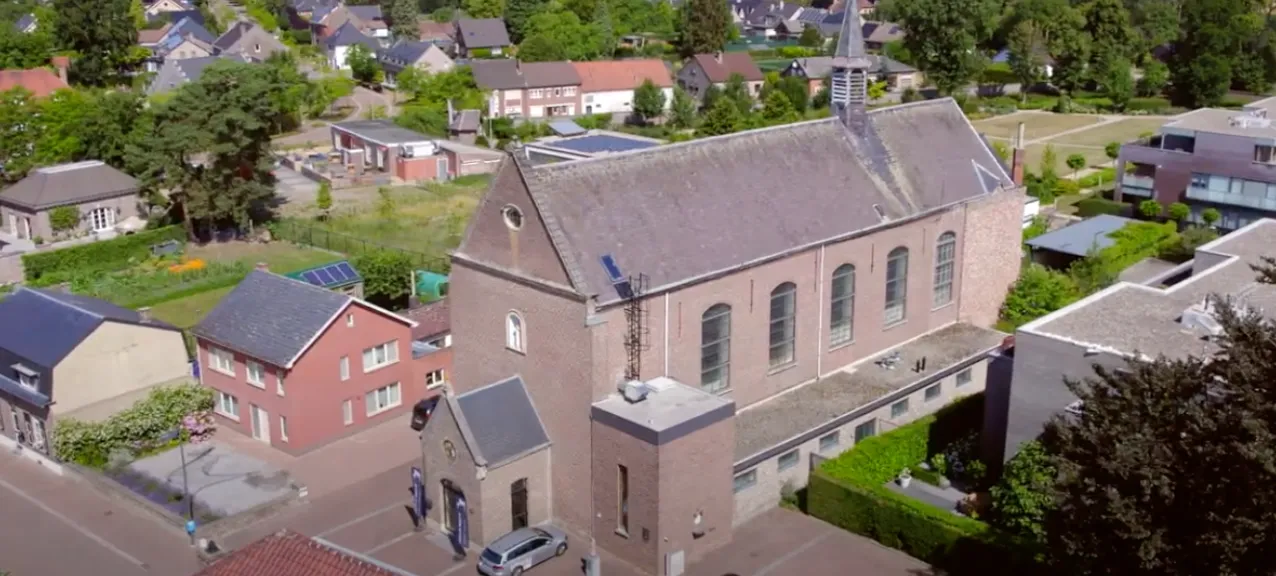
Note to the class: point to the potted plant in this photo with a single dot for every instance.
(939, 463)
(905, 478)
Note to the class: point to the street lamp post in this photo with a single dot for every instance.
(176, 434)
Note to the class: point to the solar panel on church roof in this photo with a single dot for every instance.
(602, 143)
(334, 275)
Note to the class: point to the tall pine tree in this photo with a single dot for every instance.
(705, 28)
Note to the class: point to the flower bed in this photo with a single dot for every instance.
(159, 281)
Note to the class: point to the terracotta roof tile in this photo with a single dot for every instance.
(154, 35)
(287, 553)
(606, 76)
(435, 30)
(41, 82)
(432, 319)
(719, 68)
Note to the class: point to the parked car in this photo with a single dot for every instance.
(522, 549)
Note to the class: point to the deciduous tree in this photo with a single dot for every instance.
(706, 27)
(945, 36)
(723, 118)
(484, 8)
(103, 37)
(1207, 51)
(777, 109)
(1155, 76)
(649, 101)
(402, 15)
(1112, 38)
(517, 13)
(682, 110)
(387, 277)
(559, 34)
(1075, 162)
(811, 38)
(1179, 212)
(1037, 292)
(1150, 209)
(1118, 83)
(1025, 493)
(363, 65)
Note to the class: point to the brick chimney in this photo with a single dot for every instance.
(61, 63)
(1016, 158)
(263, 267)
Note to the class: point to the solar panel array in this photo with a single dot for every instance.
(566, 128)
(335, 274)
(600, 143)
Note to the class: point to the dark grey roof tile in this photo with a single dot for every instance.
(65, 184)
(54, 323)
(502, 421)
(482, 33)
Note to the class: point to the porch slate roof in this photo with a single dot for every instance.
(502, 421)
(67, 184)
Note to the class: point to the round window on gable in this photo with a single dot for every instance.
(513, 217)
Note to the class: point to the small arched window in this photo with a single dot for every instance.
(783, 333)
(514, 338)
(945, 254)
(896, 285)
(842, 306)
(715, 348)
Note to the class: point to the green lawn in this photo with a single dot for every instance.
(1036, 124)
(186, 312)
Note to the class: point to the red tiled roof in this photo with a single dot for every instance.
(432, 319)
(720, 67)
(153, 35)
(41, 82)
(287, 553)
(435, 30)
(609, 75)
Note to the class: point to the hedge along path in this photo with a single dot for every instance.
(46, 268)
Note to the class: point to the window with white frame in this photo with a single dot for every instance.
(283, 428)
(435, 379)
(222, 361)
(783, 330)
(347, 412)
(945, 253)
(788, 460)
(227, 405)
(345, 368)
(380, 356)
(535, 94)
(829, 441)
(933, 392)
(963, 378)
(514, 332)
(279, 383)
(896, 285)
(102, 219)
(715, 348)
(842, 306)
(558, 92)
(256, 374)
(745, 481)
(899, 409)
(382, 399)
(569, 91)
(350, 320)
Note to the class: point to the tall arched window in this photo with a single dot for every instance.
(783, 310)
(514, 338)
(842, 306)
(896, 285)
(715, 348)
(945, 253)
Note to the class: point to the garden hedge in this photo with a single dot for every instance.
(849, 491)
(57, 266)
(1095, 206)
(137, 428)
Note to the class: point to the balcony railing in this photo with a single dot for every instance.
(1133, 181)
(1207, 195)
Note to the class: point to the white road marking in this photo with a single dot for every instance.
(72, 524)
(392, 542)
(453, 569)
(367, 516)
(792, 554)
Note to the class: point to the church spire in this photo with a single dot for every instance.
(849, 82)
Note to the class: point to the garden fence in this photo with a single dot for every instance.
(319, 237)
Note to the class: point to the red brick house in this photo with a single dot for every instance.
(287, 553)
(529, 89)
(381, 146)
(297, 366)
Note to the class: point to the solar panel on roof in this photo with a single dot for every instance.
(613, 270)
(337, 274)
(599, 143)
(566, 128)
(323, 276)
(311, 278)
(349, 270)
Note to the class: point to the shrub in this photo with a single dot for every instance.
(1097, 178)
(1038, 227)
(1189, 240)
(1150, 209)
(1023, 495)
(1037, 292)
(1065, 187)
(137, 428)
(53, 267)
(64, 218)
(1094, 206)
(1179, 211)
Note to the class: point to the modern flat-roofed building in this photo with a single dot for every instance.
(1124, 321)
(1207, 158)
(688, 324)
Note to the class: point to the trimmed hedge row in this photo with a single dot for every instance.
(57, 266)
(849, 491)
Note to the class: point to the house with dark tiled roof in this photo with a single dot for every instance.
(184, 39)
(487, 34)
(694, 322)
(103, 196)
(528, 89)
(297, 366)
(704, 70)
(339, 43)
(423, 56)
(897, 75)
(65, 355)
(175, 73)
(326, 20)
(248, 39)
(287, 553)
(40, 82)
(176, 16)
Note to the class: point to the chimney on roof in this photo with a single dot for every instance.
(264, 267)
(61, 63)
(145, 313)
(1017, 157)
(718, 56)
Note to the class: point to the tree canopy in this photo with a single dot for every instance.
(945, 36)
(103, 37)
(705, 27)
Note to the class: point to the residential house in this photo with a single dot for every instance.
(176, 16)
(528, 89)
(248, 39)
(382, 146)
(371, 20)
(464, 125)
(159, 6)
(65, 355)
(297, 366)
(878, 34)
(1166, 316)
(862, 304)
(339, 43)
(327, 20)
(1059, 248)
(306, 8)
(608, 86)
(704, 70)
(40, 82)
(423, 56)
(26, 24)
(150, 37)
(481, 35)
(1207, 158)
(287, 553)
(438, 33)
(175, 73)
(897, 75)
(103, 196)
(185, 39)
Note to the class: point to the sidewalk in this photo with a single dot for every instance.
(343, 463)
